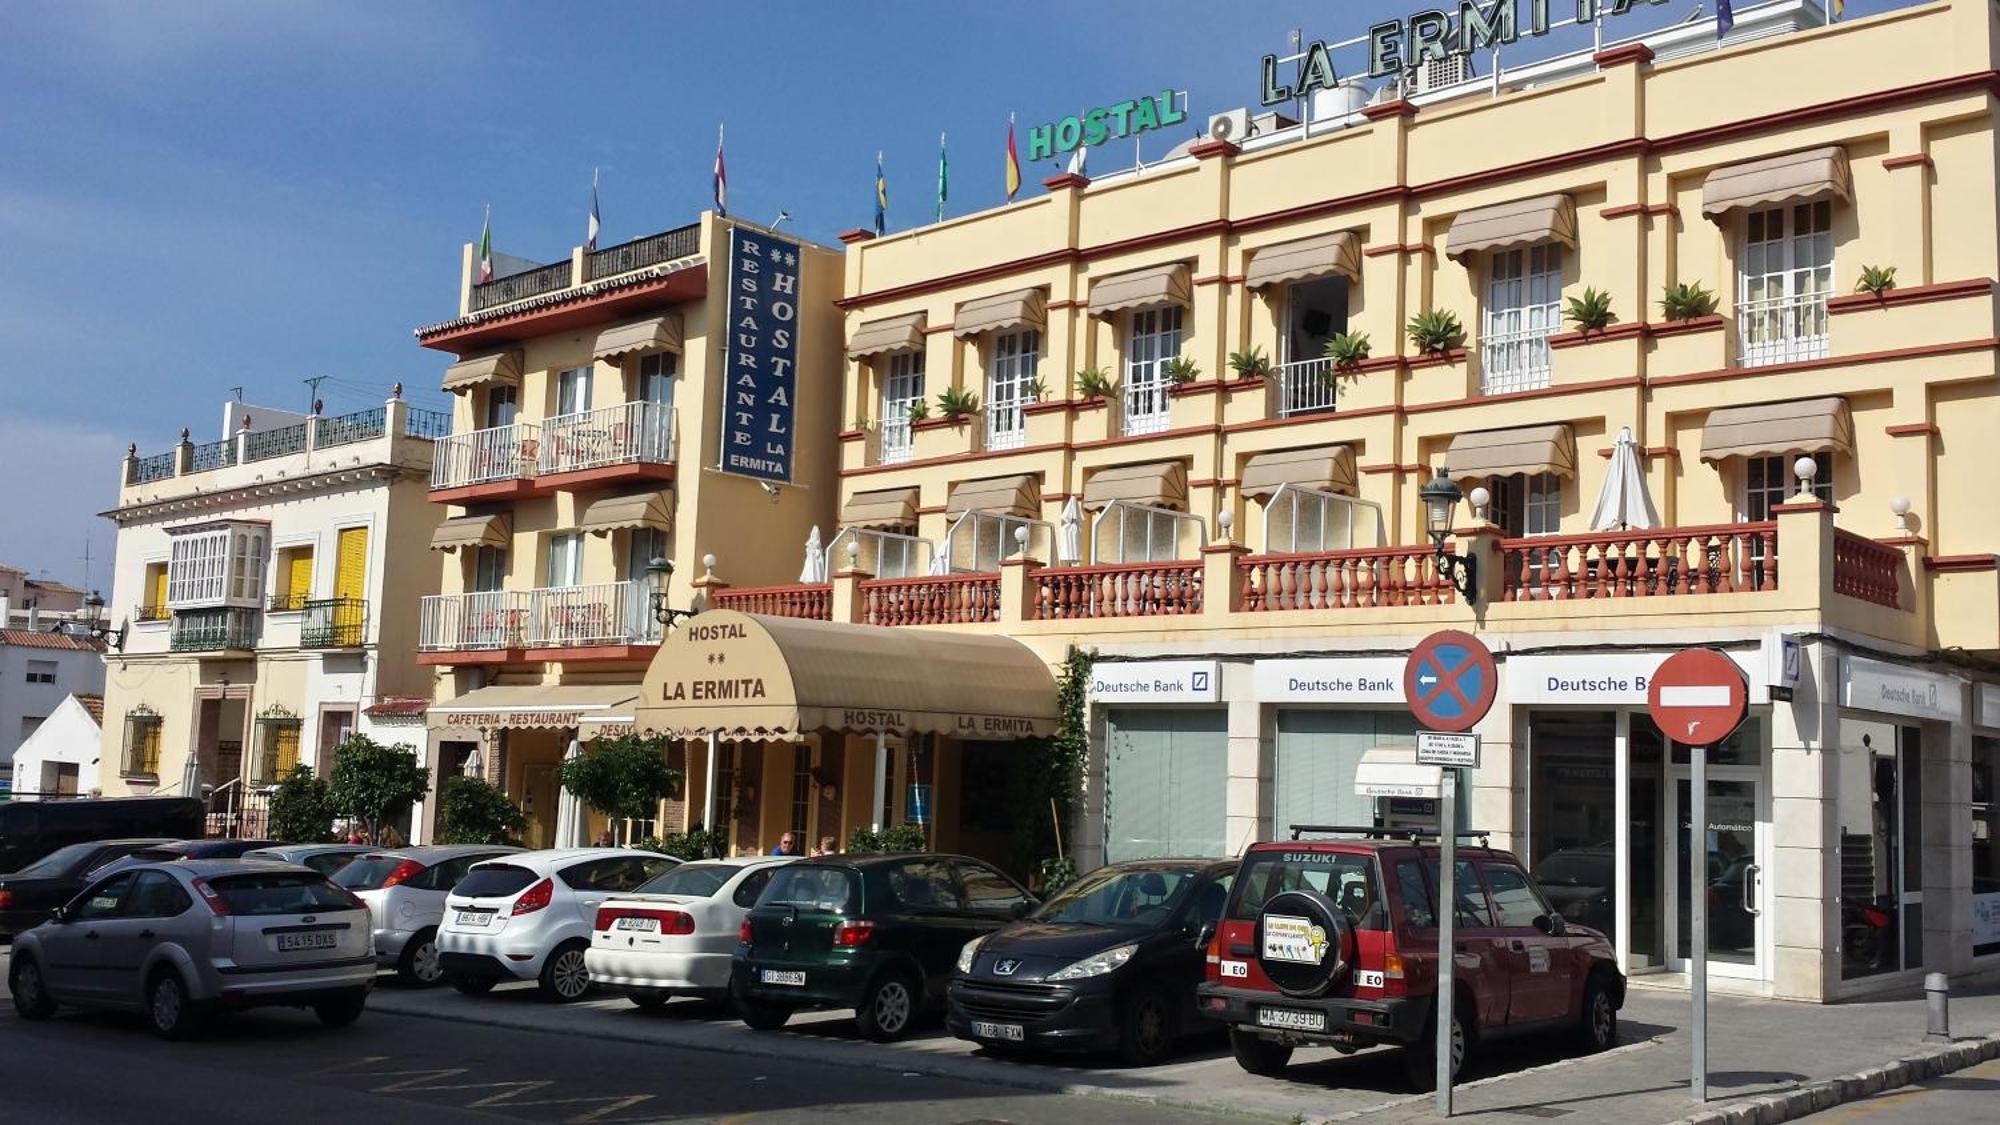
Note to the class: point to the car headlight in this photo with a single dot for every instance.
(966, 955)
(1097, 964)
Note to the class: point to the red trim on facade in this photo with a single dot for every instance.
(1687, 327)
(1209, 149)
(592, 654)
(1391, 468)
(1914, 429)
(1625, 209)
(926, 425)
(853, 435)
(681, 285)
(1663, 451)
(1127, 439)
(1053, 305)
(635, 472)
(1066, 180)
(516, 489)
(1388, 248)
(483, 656)
(1398, 107)
(1922, 352)
(1961, 564)
(1219, 279)
(1618, 56)
(1059, 405)
(1631, 329)
(1302, 419)
(1914, 295)
(856, 234)
(1920, 160)
(1523, 396)
(1196, 387)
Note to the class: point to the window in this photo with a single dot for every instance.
(155, 593)
(489, 569)
(654, 379)
(1127, 533)
(1769, 481)
(294, 578)
(142, 745)
(901, 387)
(1985, 846)
(103, 900)
(156, 894)
(565, 560)
(1784, 279)
(502, 404)
(277, 748)
(334, 727)
(1419, 907)
(803, 791)
(977, 541)
(1347, 878)
(1523, 309)
(1526, 505)
(1514, 898)
(1303, 521)
(642, 546)
(752, 885)
(247, 567)
(1155, 338)
(216, 564)
(1472, 909)
(573, 391)
(884, 554)
(1015, 357)
(41, 671)
(924, 884)
(989, 892)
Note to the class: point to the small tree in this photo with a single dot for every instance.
(302, 808)
(372, 782)
(472, 810)
(624, 778)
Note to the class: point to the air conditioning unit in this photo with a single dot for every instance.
(1232, 126)
(1436, 74)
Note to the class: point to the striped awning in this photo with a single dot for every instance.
(654, 334)
(1139, 289)
(1156, 484)
(1322, 468)
(1524, 222)
(884, 507)
(890, 334)
(1794, 177)
(1500, 453)
(1325, 255)
(1771, 429)
(493, 530)
(1016, 495)
(653, 507)
(499, 367)
(1021, 308)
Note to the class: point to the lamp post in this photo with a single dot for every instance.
(659, 572)
(1441, 496)
(98, 626)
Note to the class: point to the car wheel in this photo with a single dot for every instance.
(171, 1013)
(1420, 1058)
(341, 1012)
(1145, 1027)
(1598, 1030)
(31, 992)
(888, 1008)
(651, 999)
(564, 976)
(762, 1016)
(471, 986)
(419, 966)
(1260, 1057)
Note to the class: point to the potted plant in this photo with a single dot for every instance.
(1876, 280)
(919, 410)
(1348, 350)
(1590, 312)
(1250, 363)
(1180, 371)
(1094, 382)
(1037, 389)
(1685, 301)
(1435, 332)
(957, 403)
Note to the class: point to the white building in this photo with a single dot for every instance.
(60, 758)
(40, 668)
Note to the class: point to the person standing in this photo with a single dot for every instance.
(828, 845)
(788, 844)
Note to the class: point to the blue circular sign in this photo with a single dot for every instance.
(1450, 681)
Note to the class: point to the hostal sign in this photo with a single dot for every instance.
(1094, 127)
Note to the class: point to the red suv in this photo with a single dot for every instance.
(1333, 942)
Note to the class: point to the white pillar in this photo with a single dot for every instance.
(1621, 834)
(708, 787)
(881, 778)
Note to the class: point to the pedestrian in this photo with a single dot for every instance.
(828, 846)
(604, 839)
(392, 838)
(788, 844)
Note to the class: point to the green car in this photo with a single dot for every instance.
(878, 934)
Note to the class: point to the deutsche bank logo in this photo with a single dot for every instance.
(1198, 681)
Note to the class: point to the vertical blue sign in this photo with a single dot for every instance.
(760, 375)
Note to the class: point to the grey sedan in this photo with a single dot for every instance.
(323, 858)
(181, 941)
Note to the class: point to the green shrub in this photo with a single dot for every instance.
(373, 783)
(1093, 382)
(1876, 279)
(624, 778)
(957, 402)
(1590, 312)
(894, 839)
(302, 808)
(1348, 350)
(1435, 332)
(472, 810)
(1686, 301)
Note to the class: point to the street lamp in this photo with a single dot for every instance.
(98, 628)
(1441, 496)
(659, 572)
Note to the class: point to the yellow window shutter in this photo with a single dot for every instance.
(159, 587)
(151, 757)
(299, 577)
(288, 749)
(350, 569)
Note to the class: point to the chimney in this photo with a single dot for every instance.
(34, 617)
(6, 612)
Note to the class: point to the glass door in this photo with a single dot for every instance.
(1735, 845)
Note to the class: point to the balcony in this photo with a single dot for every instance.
(1781, 330)
(630, 442)
(1306, 386)
(495, 463)
(488, 622)
(612, 261)
(604, 621)
(230, 630)
(334, 623)
(1720, 559)
(1514, 361)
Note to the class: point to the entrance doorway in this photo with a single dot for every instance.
(1735, 847)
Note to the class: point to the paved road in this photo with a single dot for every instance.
(282, 1066)
(1969, 1095)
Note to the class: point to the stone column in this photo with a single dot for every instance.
(1248, 803)
(1945, 775)
(1804, 873)
(849, 604)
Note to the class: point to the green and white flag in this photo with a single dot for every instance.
(486, 246)
(944, 178)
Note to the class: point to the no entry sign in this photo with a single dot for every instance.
(1450, 681)
(1697, 697)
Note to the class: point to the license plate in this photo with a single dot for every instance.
(1236, 969)
(1291, 1019)
(475, 917)
(293, 943)
(779, 976)
(1011, 1032)
(643, 925)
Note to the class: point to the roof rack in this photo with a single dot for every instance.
(1377, 832)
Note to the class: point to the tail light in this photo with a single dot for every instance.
(405, 871)
(743, 931)
(1876, 916)
(847, 935)
(215, 902)
(6, 900)
(535, 898)
(1394, 977)
(672, 922)
(1213, 957)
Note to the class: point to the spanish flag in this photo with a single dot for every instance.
(1013, 162)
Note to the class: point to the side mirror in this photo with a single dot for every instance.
(1022, 909)
(59, 915)
(1552, 924)
(1203, 934)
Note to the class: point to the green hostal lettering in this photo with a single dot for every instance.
(1042, 142)
(1069, 131)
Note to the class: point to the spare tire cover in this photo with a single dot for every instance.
(1304, 943)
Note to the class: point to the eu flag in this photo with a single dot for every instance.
(1725, 18)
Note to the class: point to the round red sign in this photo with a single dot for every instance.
(1698, 697)
(1450, 681)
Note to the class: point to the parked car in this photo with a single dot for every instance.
(30, 830)
(323, 858)
(1333, 942)
(528, 916)
(1111, 963)
(676, 933)
(878, 934)
(29, 895)
(181, 941)
(173, 850)
(1578, 883)
(405, 891)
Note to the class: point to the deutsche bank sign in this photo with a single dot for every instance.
(1157, 681)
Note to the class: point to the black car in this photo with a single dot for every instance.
(29, 895)
(30, 830)
(167, 851)
(1111, 963)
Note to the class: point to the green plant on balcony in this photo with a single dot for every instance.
(862, 423)
(919, 410)
(1037, 389)
(1590, 312)
(1347, 350)
(1250, 363)
(1686, 300)
(957, 403)
(1180, 371)
(1095, 382)
(1876, 280)
(1435, 332)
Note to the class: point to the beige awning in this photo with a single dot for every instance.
(1323, 468)
(1156, 484)
(1769, 429)
(492, 530)
(500, 367)
(1792, 178)
(884, 507)
(1499, 453)
(1138, 289)
(532, 706)
(890, 334)
(1021, 308)
(745, 677)
(1326, 255)
(654, 334)
(652, 507)
(1524, 222)
(1014, 496)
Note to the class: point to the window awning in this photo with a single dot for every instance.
(1138, 289)
(499, 367)
(1021, 308)
(532, 706)
(1794, 177)
(1769, 429)
(1015, 496)
(654, 334)
(652, 507)
(890, 334)
(1156, 484)
(778, 678)
(473, 531)
(884, 507)
(1499, 453)
(1524, 222)
(1326, 255)
(1323, 468)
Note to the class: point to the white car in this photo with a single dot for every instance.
(678, 933)
(528, 916)
(405, 889)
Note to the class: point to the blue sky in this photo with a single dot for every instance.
(195, 198)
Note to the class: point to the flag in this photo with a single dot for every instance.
(590, 235)
(486, 246)
(1725, 18)
(881, 198)
(944, 178)
(1838, 10)
(721, 178)
(1013, 162)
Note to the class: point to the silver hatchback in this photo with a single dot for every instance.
(180, 941)
(405, 888)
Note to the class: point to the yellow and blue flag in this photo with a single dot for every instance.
(881, 198)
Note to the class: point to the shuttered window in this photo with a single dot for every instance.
(350, 567)
(1318, 753)
(1166, 773)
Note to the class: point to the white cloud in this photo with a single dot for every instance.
(58, 476)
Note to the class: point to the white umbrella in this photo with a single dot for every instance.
(1622, 502)
(940, 564)
(191, 776)
(570, 824)
(814, 569)
(474, 765)
(1069, 538)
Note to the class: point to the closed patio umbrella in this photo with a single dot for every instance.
(571, 828)
(1069, 536)
(814, 570)
(1622, 503)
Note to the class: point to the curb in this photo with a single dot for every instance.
(1826, 1094)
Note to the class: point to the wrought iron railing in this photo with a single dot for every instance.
(220, 629)
(1515, 361)
(212, 455)
(484, 456)
(1306, 386)
(262, 445)
(632, 433)
(334, 623)
(151, 613)
(433, 424)
(291, 601)
(159, 466)
(638, 254)
(521, 286)
(346, 429)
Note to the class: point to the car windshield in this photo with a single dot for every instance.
(59, 862)
(367, 873)
(494, 880)
(1346, 878)
(1111, 897)
(693, 880)
(1575, 869)
(279, 892)
(831, 889)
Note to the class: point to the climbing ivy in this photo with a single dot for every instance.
(1052, 770)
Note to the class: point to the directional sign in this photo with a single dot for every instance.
(1450, 681)
(1697, 697)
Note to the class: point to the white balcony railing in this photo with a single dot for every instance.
(1781, 330)
(895, 445)
(1305, 386)
(1006, 426)
(631, 433)
(1146, 409)
(1514, 361)
(486, 456)
(608, 613)
(495, 619)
